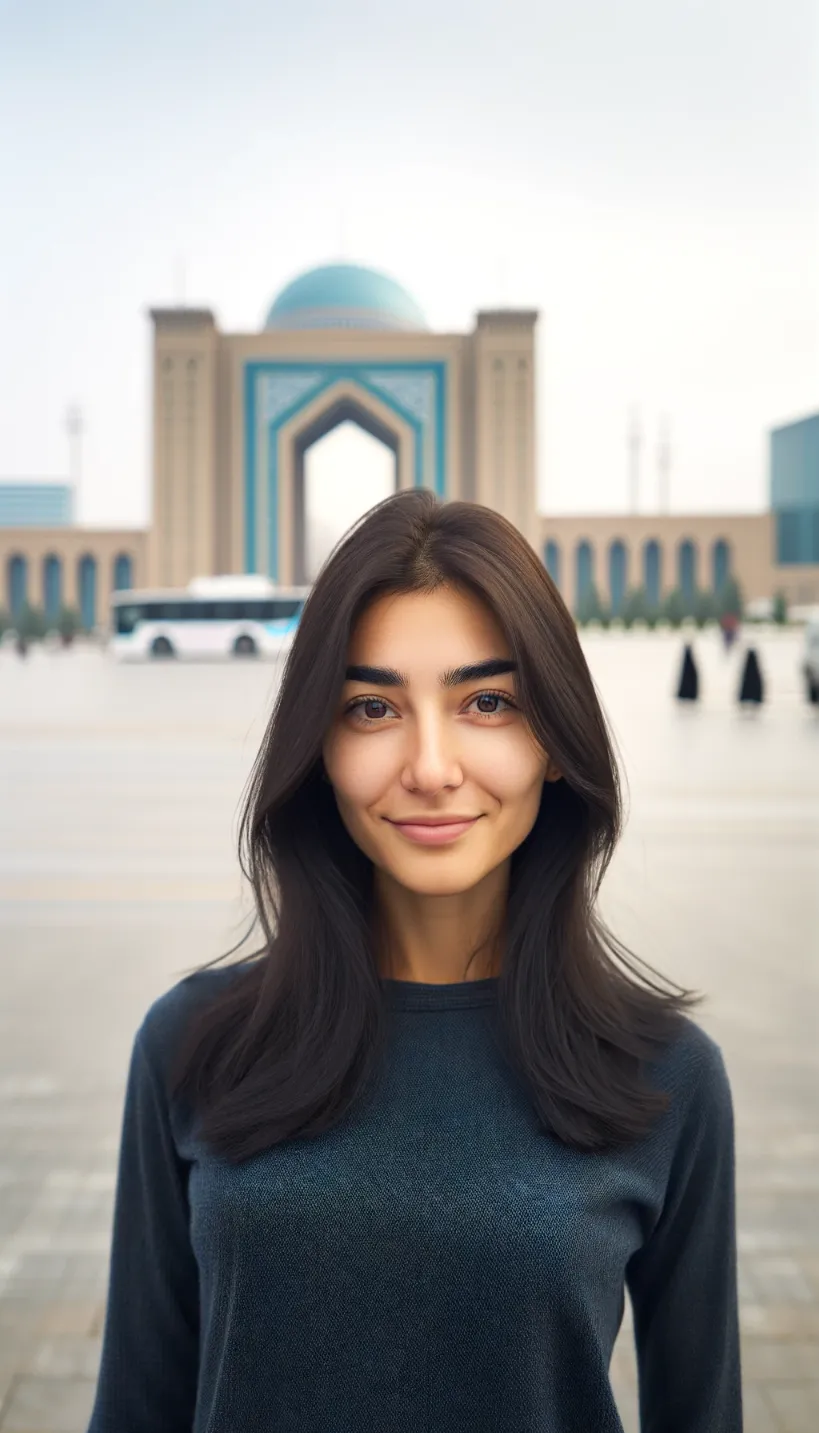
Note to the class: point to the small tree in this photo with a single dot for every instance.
(5, 621)
(68, 624)
(589, 607)
(780, 608)
(729, 602)
(635, 607)
(673, 609)
(705, 608)
(31, 623)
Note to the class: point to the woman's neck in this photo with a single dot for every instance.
(431, 938)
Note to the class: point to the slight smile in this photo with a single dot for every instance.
(436, 830)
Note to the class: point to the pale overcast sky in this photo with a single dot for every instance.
(645, 174)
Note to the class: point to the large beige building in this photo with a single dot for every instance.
(234, 415)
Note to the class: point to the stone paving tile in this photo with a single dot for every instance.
(78, 1317)
(756, 1413)
(68, 1357)
(795, 1406)
(765, 1360)
(48, 1405)
(781, 1321)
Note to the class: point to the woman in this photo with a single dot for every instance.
(396, 1170)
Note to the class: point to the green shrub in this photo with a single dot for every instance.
(68, 624)
(780, 608)
(729, 601)
(705, 607)
(674, 608)
(31, 623)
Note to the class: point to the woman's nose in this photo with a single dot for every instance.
(433, 761)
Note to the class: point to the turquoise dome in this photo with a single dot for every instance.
(344, 296)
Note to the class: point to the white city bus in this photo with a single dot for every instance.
(235, 616)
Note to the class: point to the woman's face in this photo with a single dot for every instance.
(419, 738)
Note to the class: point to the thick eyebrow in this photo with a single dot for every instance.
(455, 677)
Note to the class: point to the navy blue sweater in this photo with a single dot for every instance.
(433, 1264)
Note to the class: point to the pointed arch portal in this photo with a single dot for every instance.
(289, 406)
(344, 410)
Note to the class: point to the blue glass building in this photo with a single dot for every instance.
(795, 491)
(35, 505)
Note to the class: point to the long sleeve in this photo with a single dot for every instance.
(683, 1281)
(148, 1370)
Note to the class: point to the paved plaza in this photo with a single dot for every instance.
(121, 788)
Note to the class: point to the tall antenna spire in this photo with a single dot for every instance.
(664, 464)
(75, 427)
(181, 275)
(635, 440)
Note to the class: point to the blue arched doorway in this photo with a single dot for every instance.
(585, 571)
(652, 571)
(17, 583)
(52, 586)
(687, 569)
(123, 572)
(721, 559)
(618, 569)
(87, 588)
(552, 555)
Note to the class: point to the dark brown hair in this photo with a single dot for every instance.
(295, 1036)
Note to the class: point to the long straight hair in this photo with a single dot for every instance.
(293, 1039)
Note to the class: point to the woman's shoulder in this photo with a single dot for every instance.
(168, 1015)
(693, 1056)
(693, 1071)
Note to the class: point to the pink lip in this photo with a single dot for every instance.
(433, 833)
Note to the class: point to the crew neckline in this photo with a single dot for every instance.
(421, 995)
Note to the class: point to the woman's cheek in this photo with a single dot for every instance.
(507, 767)
(361, 769)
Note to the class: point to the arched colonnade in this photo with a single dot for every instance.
(655, 566)
(42, 584)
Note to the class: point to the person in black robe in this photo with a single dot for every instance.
(689, 686)
(751, 688)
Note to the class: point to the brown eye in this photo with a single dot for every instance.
(492, 704)
(368, 711)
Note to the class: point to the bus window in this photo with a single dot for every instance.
(284, 607)
(229, 611)
(127, 618)
(166, 611)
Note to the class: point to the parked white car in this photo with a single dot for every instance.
(810, 658)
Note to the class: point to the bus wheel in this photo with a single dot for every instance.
(161, 647)
(244, 647)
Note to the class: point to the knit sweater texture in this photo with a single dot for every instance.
(435, 1263)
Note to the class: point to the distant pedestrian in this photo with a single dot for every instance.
(689, 686)
(21, 645)
(752, 687)
(729, 624)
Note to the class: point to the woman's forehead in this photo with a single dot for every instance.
(452, 623)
